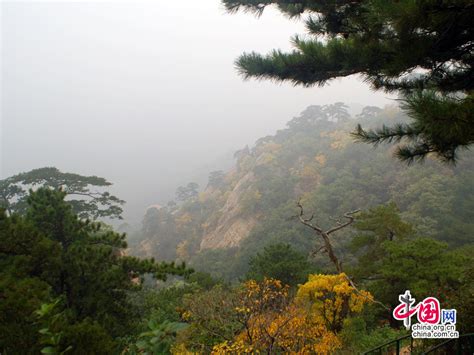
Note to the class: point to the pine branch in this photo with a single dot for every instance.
(385, 134)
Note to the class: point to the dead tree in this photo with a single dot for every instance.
(325, 234)
(349, 216)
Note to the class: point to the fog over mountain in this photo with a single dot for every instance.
(218, 177)
(143, 93)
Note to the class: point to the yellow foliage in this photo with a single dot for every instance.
(186, 315)
(271, 147)
(321, 159)
(309, 171)
(180, 349)
(184, 219)
(275, 323)
(340, 139)
(329, 299)
(261, 296)
(235, 347)
(182, 250)
(265, 158)
(289, 330)
(203, 196)
(310, 177)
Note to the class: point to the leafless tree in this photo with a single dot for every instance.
(327, 247)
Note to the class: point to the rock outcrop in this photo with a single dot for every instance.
(232, 227)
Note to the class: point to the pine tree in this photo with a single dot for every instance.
(83, 192)
(281, 262)
(420, 49)
(50, 254)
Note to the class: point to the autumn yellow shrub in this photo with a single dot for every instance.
(329, 299)
(309, 324)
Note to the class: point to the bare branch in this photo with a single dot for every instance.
(306, 221)
(337, 220)
(349, 216)
(322, 247)
(327, 247)
(325, 235)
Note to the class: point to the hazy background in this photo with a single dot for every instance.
(144, 93)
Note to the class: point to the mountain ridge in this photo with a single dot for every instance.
(313, 159)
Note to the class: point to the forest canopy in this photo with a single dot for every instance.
(261, 275)
(306, 242)
(65, 282)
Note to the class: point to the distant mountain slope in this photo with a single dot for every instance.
(314, 159)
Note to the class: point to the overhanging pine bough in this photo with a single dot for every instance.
(420, 49)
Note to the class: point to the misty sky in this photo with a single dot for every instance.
(144, 93)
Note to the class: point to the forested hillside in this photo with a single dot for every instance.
(341, 233)
(302, 247)
(314, 160)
